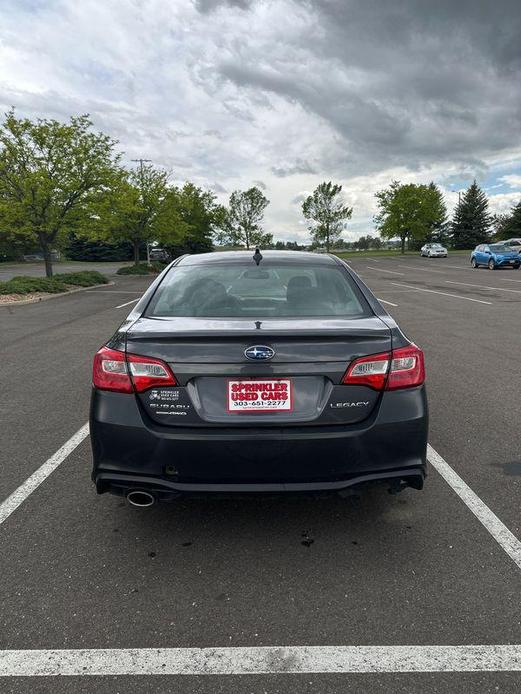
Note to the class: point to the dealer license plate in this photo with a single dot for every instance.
(260, 395)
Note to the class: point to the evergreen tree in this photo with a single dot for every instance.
(512, 225)
(471, 221)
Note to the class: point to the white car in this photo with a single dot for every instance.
(513, 244)
(433, 250)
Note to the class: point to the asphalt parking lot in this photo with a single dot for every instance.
(423, 570)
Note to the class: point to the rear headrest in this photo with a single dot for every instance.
(296, 285)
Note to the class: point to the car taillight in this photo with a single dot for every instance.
(402, 368)
(368, 371)
(110, 372)
(113, 370)
(407, 368)
(147, 372)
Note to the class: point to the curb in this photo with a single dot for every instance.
(39, 299)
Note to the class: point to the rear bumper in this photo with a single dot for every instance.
(131, 452)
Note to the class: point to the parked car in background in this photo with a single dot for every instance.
(495, 255)
(514, 244)
(236, 372)
(159, 254)
(433, 250)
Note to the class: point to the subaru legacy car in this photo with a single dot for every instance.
(268, 372)
(433, 250)
(495, 255)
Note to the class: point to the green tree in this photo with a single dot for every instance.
(241, 223)
(326, 212)
(135, 210)
(53, 177)
(500, 225)
(471, 220)
(508, 225)
(197, 213)
(408, 211)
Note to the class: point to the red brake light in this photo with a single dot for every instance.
(109, 371)
(113, 370)
(401, 368)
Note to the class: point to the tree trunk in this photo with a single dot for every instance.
(402, 250)
(48, 259)
(327, 238)
(136, 252)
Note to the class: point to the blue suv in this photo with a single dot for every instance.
(495, 255)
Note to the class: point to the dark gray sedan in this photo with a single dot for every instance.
(266, 372)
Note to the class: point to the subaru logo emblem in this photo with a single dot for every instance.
(259, 353)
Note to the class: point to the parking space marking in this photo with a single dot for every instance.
(433, 291)
(382, 301)
(482, 286)
(129, 302)
(380, 269)
(13, 501)
(260, 660)
(499, 531)
(422, 269)
(505, 279)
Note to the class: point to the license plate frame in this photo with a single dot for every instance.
(268, 404)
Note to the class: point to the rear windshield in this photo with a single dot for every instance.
(239, 291)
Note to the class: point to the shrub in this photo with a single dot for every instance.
(53, 285)
(141, 269)
(85, 278)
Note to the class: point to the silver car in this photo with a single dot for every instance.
(433, 250)
(513, 244)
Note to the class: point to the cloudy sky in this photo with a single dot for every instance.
(283, 94)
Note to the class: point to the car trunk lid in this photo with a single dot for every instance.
(208, 357)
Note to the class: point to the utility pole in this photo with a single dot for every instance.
(141, 162)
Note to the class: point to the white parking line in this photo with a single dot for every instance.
(433, 291)
(499, 531)
(505, 279)
(380, 269)
(33, 482)
(386, 302)
(129, 302)
(259, 660)
(482, 286)
(423, 269)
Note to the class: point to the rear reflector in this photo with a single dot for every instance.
(401, 368)
(113, 370)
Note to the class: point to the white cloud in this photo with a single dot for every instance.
(512, 180)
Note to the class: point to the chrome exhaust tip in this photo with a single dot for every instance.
(140, 498)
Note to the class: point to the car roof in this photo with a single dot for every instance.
(297, 257)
